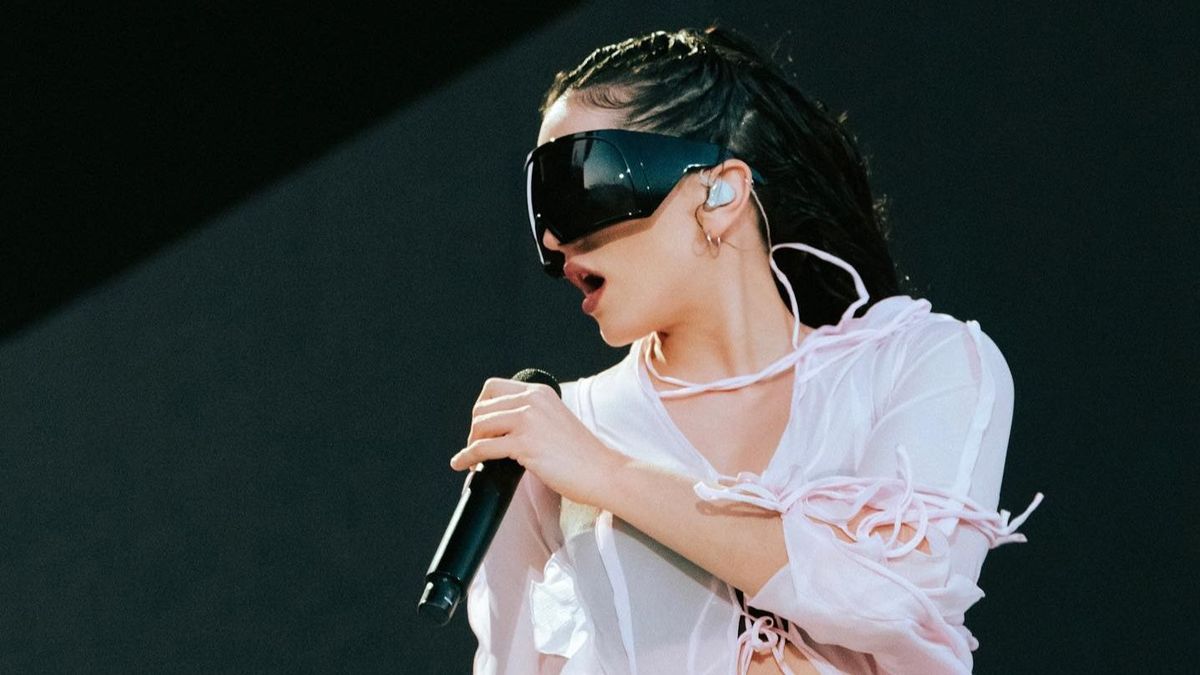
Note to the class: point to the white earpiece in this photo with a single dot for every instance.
(719, 194)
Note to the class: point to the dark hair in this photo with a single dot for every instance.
(714, 85)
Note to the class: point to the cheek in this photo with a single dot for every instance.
(631, 305)
(651, 271)
(647, 290)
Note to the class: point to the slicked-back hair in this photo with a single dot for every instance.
(715, 85)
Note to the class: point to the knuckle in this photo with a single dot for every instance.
(536, 396)
(488, 385)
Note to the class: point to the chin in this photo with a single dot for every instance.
(617, 335)
(615, 342)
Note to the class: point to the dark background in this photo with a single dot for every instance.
(256, 264)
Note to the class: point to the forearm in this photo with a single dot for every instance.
(741, 544)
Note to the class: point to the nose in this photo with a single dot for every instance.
(550, 241)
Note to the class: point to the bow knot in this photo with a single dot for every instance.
(763, 634)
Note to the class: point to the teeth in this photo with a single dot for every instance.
(585, 280)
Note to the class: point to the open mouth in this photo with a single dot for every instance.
(589, 282)
(586, 280)
(593, 287)
(592, 283)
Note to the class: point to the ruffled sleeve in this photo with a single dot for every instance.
(933, 461)
(498, 599)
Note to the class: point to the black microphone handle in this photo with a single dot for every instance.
(485, 498)
(486, 495)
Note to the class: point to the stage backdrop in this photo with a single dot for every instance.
(233, 456)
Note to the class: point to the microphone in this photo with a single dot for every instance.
(485, 497)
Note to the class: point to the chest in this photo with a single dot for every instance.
(736, 430)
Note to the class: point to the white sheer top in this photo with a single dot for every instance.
(904, 410)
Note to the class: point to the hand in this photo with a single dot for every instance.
(529, 423)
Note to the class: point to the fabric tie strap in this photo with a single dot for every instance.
(837, 499)
(786, 361)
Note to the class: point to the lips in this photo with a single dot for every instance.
(586, 280)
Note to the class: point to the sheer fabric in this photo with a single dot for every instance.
(903, 410)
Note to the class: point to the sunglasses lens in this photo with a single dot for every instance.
(575, 188)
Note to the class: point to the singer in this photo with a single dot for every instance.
(795, 469)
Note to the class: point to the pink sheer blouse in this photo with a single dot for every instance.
(903, 410)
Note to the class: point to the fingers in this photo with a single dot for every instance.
(499, 386)
(499, 414)
(483, 450)
(499, 396)
(496, 387)
(501, 402)
(498, 423)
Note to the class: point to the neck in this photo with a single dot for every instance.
(740, 327)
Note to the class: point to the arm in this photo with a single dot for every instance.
(944, 431)
(739, 543)
(743, 543)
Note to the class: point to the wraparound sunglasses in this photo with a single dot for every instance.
(583, 182)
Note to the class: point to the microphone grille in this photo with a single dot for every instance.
(538, 376)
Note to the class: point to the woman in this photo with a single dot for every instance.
(794, 469)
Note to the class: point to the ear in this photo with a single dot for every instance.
(726, 198)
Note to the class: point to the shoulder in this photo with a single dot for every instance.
(939, 349)
(948, 400)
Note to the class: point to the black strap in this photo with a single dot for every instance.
(781, 622)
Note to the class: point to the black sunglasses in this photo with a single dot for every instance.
(580, 183)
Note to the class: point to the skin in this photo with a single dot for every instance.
(717, 314)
